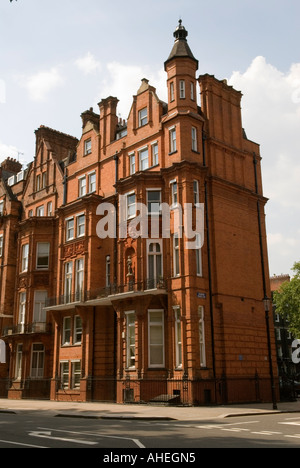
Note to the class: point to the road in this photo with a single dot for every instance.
(41, 430)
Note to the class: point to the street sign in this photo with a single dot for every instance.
(201, 295)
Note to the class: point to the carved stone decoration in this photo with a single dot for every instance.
(23, 282)
(76, 248)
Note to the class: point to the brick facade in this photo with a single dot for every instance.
(133, 318)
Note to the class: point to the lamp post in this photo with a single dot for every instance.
(267, 305)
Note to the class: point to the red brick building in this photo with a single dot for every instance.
(136, 318)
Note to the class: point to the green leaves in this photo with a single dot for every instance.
(287, 301)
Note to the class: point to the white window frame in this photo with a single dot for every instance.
(143, 117)
(68, 281)
(64, 375)
(194, 139)
(196, 192)
(25, 257)
(176, 255)
(154, 153)
(80, 224)
(1, 207)
(192, 91)
(132, 164)
(157, 259)
(174, 192)
(79, 278)
(202, 344)
(19, 361)
(38, 357)
(87, 146)
(149, 202)
(42, 255)
(75, 385)
(22, 311)
(172, 140)
(77, 330)
(178, 337)
(40, 211)
(38, 183)
(182, 89)
(70, 228)
(44, 179)
(172, 93)
(129, 206)
(151, 346)
(82, 186)
(143, 158)
(50, 208)
(198, 255)
(67, 331)
(130, 346)
(39, 315)
(91, 182)
(1, 245)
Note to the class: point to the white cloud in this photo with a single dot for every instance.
(271, 115)
(7, 151)
(88, 64)
(42, 83)
(123, 81)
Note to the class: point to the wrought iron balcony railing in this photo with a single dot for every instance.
(27, 329)
(112, 290)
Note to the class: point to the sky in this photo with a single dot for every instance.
(59, 58)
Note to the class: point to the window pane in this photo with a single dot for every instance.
(43, 249)
(156, 356)
(156, 335)
(144, 160)
(143, 117)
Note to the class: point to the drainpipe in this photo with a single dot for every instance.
(65, 185)
(116, 159)
(265, 299)
(209, 265)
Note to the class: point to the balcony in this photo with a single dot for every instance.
(27, 329)
(105, 296)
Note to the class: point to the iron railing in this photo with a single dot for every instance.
(112, 290)
(27, 329)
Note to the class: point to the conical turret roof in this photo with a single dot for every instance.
(181, 47)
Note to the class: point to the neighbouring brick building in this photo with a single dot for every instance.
(132, 318)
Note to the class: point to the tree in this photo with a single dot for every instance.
(287, 301)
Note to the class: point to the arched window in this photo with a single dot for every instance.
(154, 264)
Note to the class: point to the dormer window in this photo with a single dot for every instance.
(87, 146)
(143, 117)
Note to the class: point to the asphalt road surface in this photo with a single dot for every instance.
(41, 430)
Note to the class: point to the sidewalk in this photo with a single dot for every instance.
(150, 412)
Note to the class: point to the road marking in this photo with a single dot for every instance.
(236, 429)
(296, 436)
(19, 443)
(269, 433)
(47, 435)
(224, 426)
(291, 423)
(95, 434)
